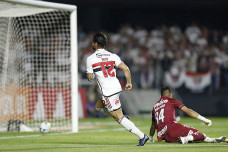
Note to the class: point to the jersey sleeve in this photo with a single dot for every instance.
(117, 60)
(89, 68)
(176, 104)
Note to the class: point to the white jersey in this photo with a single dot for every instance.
(103, 64)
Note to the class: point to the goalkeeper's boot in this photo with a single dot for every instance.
(143, 140)
(183, 140)
(220, 139)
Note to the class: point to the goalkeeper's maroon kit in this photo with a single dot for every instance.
(167, 128)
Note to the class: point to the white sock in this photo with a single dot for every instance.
(190, 138)
(128, 125)
(209, 140)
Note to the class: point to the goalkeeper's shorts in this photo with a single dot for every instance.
(178, 130)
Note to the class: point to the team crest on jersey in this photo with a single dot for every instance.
(98, 55)
(117, 102)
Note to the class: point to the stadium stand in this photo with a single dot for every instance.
(194, 49)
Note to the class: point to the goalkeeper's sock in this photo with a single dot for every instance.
(215, 140)
(128, 125)
(209, 140)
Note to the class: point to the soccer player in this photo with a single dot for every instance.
(163, 119)
(102, 65)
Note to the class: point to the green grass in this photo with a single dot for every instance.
(105, 135)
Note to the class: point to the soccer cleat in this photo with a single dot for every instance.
(220, 139)
(183, 140)
(143, 140)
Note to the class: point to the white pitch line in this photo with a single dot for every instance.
(110, 130)
(102, 130)
(62, 133)
(102, 145)
(19, 136)
(82, 131)
(189, 145)
(151, 145)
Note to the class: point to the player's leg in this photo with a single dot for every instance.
(120, 118)
(128, 125)
(183, 134)
(192, 136)
(100, 106)
(117, 114)
(198, 137)
(215, 140)
(113, 105)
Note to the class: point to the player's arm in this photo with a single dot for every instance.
(152, 130)
(194, 114)
(90, 77)
(89, 70)
(127, 74)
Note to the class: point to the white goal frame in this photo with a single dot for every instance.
(74, 50)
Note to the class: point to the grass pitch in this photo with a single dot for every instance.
(105, 135)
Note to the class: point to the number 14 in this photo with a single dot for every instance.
(160, 116)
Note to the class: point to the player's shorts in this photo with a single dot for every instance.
(112, 103)
(178, 130)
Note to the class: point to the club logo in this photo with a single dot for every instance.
(117, 102)
(98, 55)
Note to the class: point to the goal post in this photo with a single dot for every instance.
(38, 3)
(38, 64)
(74, 73)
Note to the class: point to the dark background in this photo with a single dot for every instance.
(95, 15)
(109, 15)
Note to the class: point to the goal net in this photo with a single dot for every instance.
(35, 66)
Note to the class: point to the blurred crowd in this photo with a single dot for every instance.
(149, 54)
(40, 59)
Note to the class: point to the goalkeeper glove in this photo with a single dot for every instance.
(205, 120)
(151, 138)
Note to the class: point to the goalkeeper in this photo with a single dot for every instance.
(163, 120)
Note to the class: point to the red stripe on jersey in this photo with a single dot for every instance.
(98, 64)
(95, 65)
